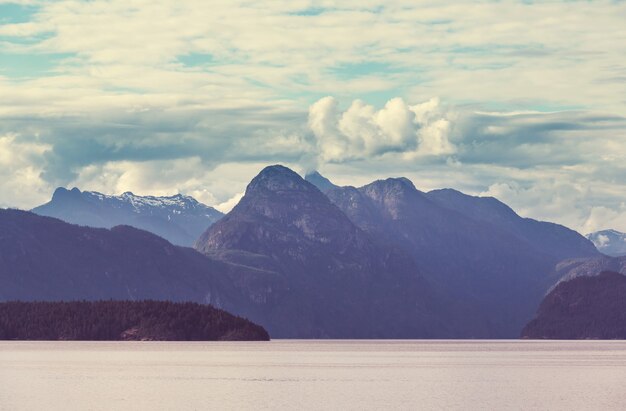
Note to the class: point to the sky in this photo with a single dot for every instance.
(524, 101)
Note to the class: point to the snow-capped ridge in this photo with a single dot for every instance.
(179, 218)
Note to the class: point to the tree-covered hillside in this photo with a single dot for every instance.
(123, 320)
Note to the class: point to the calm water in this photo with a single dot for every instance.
(313, 375)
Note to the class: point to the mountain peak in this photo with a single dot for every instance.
(393, 187)
(610, 242)
(62, 192)
(319, 181)
(278, 178)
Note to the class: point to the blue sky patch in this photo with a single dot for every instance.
(16, 13)
(18, 65)
(196, 59)
(365, 68)
(311, 11)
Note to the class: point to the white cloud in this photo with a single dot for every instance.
(361, 131)
(603, 218)
(20, 168)
(228, 205)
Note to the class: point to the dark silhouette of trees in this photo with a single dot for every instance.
(583, 308)
(123, 320)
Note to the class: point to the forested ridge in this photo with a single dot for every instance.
(123, 320)
(583, 308)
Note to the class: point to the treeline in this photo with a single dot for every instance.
(123, 320)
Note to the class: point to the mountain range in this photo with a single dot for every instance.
(474, 249)
(179, 219)
(331, 278)
(310, 259)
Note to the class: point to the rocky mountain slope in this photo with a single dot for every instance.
(179, 219)
(554, 239)
(582, 308)
(609, 242)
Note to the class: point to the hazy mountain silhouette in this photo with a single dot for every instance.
(319, 181)
(476, 250)
(42, 258)
(554, 239)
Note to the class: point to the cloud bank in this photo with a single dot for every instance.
(160, 97)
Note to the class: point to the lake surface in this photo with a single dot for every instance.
(313, 375)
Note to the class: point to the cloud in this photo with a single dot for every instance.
(20, 182)
(199, 102)
(228, 205)
(602, 218)
(579, 206)
(361, 131)
(601, 240)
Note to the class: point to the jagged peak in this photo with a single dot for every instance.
(177, 200)
(62, 192)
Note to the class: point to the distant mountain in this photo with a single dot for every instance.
(45, 259)
(582, 308)
(381, 261)
(331, 279)
(609, 242)
(554, 239)
(179, 219)
(123, 320)
(319, 181)
(476, 250)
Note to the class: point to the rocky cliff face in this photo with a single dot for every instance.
(331, 278)
(582, 308)
(179, 219)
